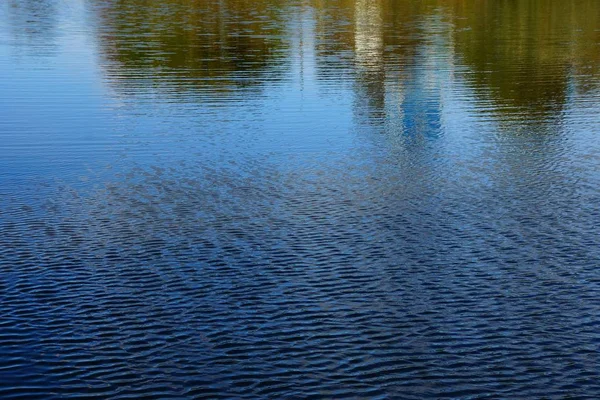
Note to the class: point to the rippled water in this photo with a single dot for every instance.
(299, 199)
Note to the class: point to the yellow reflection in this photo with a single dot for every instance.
(522, 55)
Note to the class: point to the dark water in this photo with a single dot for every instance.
(299, 199)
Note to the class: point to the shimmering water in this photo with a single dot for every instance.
(299, 199)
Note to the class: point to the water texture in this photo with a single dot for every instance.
(299, 199)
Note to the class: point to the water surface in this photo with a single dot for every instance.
(299, 199)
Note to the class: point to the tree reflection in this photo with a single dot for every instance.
(183, 45)
(524, 54)
(520, 55)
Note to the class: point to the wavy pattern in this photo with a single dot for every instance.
(169, 286)
(193, 204)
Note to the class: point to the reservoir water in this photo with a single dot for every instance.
(299, 199)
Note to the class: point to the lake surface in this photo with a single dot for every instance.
(299, 199)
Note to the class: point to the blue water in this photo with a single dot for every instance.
(299, 199)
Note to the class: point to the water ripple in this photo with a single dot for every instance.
(299, 199)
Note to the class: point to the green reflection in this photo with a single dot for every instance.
(185, 44)
(522, 55)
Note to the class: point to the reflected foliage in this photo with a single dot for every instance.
(185, 44)
(525, 52)
(522, 55)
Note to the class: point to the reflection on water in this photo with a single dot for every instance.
(526, 53)
(299, 198)
(186, 45)
(32, 23)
